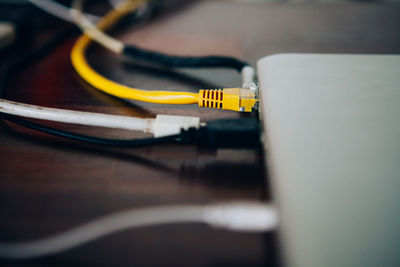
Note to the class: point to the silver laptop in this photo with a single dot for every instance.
(332, 137)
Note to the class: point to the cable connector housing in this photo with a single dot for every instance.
(237, 99)
(165, 125)
(226, 133)
(245, 216)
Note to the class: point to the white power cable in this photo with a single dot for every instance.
(75, 117)
(92, 31)
(239, 216)
(75, 15)
(162, 125)
(59, 10)
(85, 21)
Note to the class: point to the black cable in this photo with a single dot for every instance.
(86, 138)
(31, 57)
(173, 61)
(226, 133)
(181, 61)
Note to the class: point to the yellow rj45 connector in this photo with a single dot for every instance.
(237, 99)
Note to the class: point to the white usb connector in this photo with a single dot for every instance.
(165, 125)
(242, 216)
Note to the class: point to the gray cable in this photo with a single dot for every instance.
(91, 231)
(234, 216)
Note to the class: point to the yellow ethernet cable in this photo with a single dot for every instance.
(237, 99)
(98, 81)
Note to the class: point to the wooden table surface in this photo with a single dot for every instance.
(49, 185)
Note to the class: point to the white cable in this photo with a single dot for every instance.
(248, 78)
(59, 10)
(162, 125)
(239, 216)
(92, 31)
(84, 21)
(75, 117)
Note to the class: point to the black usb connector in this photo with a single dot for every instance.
(226, 133)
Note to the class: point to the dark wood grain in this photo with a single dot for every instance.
(48, 184)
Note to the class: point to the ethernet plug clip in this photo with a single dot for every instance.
(237, 99)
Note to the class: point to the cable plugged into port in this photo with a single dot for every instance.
(243, 216)
(165, 125)
(226, 133)
(237, 99)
